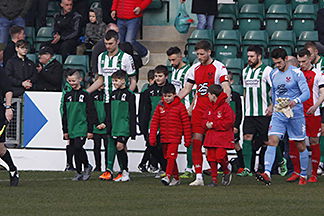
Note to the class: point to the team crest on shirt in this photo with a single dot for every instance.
(210, 75)
(219, 114)
(162, 110)
(288, 79)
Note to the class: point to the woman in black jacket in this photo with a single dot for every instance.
(206, 11)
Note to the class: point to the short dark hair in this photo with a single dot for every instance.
(119, 74)
(205, 45)
(303, 52)
(168, 89)
(150, 75)
(279, 53)
(111, 34)
(15, 30)
(229, 75)
(215, 89)
(161, 69)
(71, 72)
(22, 43)
(255, 48)
(173, 50)
(310, 44)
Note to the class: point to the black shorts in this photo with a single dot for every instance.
(2, 123)
(322, 114)
(121, 139)
(257, 125)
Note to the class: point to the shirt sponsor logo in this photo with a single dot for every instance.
(252, 83)
(202, 88)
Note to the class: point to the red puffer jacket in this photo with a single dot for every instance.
(223, 117)
(173, 121)
(125, 8)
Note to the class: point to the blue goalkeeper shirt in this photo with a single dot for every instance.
(290, 84)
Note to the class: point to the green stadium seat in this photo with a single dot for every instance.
(30, 35)
(306, 36)
(226, 19)
(195, 37)
(43, 34)
(238, 88)
(58, 58)
(321, 3)
(53, 8)
(267, 61)
(32, 57)
(296, 3)
(235, 65)
(50, 21)
(277, 18)
(283, 39)
(227, 44)
(304, 18)
(80, 62)
(95, 4)
(268, 3)
(241, 3)
(251, 17)
(259, 37)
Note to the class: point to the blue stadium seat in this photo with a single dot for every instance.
(227, 44)
(283, 39)
(304, 18)
(195, 37)
(251, 17)
(277, 18)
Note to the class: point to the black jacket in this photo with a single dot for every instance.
(19, 70)
(208, 7)
(9, 52)
(50, 77)
(12, 9)
(68, 25)
(320, 25)
(4, 85)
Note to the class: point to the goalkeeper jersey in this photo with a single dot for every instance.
(257, 86)
(290, 84)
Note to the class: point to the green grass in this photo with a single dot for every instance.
(53, 193)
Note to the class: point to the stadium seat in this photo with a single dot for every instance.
(283, 39)
(306, 36)
(95, 4)
(80, 62)
(296, 3)
(321, 3)
(32, 57)
(195, 37)
(240, 3)
(267, 61)
(268, 3)
(30, 35)
(226, 18)
(58, 58)
(43, 34)
(52, 8)
(235, 65)
(304, 18)
(277, 18)
(259, 37)
(238, 88)
(251, 17)
(50, 21)
(227, 44)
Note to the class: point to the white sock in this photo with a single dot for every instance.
(199, 176)
(188, 170)
(268, 173)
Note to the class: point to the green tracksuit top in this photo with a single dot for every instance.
(79, 113)
(98, 98)
(123, 113)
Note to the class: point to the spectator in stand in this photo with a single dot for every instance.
(106, 12)
(16, 33)
(66, 30)
(2, 47)
(82, 7)
(206, 11)
(94, 31)
(36, 16)
(50, 71)
(20, 70)
(128, 14)
(12, 13)
(320, 29)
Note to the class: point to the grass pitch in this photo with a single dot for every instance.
(53, 193)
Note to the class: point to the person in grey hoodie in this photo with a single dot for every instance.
(94, 30)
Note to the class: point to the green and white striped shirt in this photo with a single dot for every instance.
(107, 65)
(257, 86)
(178, 79)
(320, 64)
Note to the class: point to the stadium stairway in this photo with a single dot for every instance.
(158, 39)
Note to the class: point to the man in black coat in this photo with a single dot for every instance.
(50, 71)
(20, 70)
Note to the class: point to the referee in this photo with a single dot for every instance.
(6, 114)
